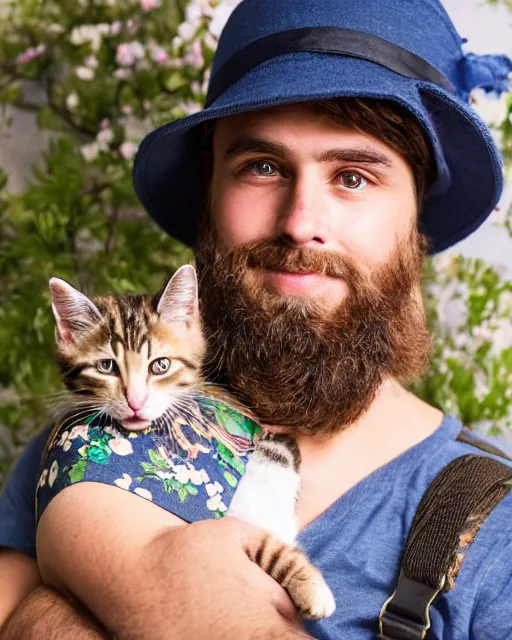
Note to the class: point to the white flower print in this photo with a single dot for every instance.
(64, 441)
(196, 477)
(215, 503)
(124, 482)
(43, 478)
(143, 493)
(80, 431)
(52, 476)
(121, 446)
(182, 474)
(211, 490)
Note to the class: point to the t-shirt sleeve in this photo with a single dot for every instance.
(492, 619)
(17, 500)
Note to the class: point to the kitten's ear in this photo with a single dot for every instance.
(74, 313)
(179, 300)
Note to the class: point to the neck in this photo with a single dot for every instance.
(396, 421)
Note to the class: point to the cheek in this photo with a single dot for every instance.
(242, 214)
(373, 235)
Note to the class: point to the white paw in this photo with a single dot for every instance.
(320, 601)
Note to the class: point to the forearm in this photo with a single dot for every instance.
(47, 615)
(185, 584)
(142, 576)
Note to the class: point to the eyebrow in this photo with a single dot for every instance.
(250, 144)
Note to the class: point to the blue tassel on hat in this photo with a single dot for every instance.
(488, 72)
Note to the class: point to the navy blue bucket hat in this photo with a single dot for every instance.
(275, 52)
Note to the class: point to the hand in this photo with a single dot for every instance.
(220, 592)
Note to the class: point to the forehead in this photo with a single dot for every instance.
(299, 127)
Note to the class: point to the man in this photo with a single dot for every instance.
(316, 212)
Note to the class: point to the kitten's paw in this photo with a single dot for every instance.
(313, 599)
(304, 583)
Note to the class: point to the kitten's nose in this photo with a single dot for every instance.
(136, 398)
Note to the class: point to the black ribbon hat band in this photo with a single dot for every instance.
(327, 40)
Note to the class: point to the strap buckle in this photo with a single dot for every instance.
(406, 614)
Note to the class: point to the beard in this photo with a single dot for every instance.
(291, 362)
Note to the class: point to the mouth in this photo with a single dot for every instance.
(298, 283)
(135, 424)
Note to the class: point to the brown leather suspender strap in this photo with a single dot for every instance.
(449, 516)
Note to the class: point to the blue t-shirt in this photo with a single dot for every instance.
(357, 542)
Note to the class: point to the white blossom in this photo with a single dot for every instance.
(128, 150)
(115, 28)
(129, 52)
(505, 302)
(104, 138)
(90, 151)
(87, 33)
(31, 54)
(91, 62)
(501, 336)
(55, 28)
(186, 31)
(158, 54)
(493, 109)
(122, 74)
(72, 101)
(149, 5)
(221, 15)
(84, 73)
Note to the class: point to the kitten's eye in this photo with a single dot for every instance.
(107, 366)
(159, 366)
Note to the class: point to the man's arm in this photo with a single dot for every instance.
(46, 615)
(143, 575)
(19, 576)
(43, 614)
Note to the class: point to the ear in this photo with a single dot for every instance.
(179, 300)
(74, 312)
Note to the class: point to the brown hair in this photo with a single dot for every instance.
(392, 124)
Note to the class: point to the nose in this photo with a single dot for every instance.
(136, 398)
(304, 217)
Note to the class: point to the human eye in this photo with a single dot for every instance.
(263, 168)
(352, 180)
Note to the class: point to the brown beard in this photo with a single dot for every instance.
(287, 359)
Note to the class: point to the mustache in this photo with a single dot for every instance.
(280, 255)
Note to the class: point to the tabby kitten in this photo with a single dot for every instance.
(132, 357)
